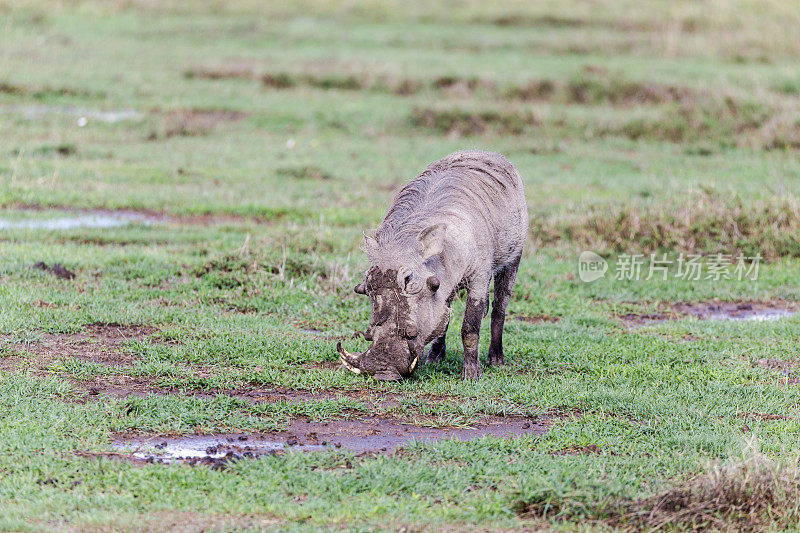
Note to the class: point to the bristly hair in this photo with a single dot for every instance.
(463, 182)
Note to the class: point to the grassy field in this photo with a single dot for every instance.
(248, 144)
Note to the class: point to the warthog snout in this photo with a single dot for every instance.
(381, 361)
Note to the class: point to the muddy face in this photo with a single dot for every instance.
(407, 313)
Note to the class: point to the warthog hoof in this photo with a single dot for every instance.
(472, 371)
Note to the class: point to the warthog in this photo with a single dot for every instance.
(456, 225)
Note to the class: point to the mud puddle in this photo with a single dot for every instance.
(717, 311)
(204, 447)
(83, 114)
(89, 219)
(368, 435)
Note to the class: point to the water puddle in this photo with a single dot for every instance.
(112, 116)
(91, 219)
(755, 315)
(369, 435)
(209, 448)
(724, 311)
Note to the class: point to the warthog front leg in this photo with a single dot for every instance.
(503, 283)
(470, 335)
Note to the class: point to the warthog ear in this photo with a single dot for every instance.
(431, 240)
(369, 242)
(361, 288)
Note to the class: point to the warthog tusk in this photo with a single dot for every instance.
(344, 357)
(349, 367)
(413, 364)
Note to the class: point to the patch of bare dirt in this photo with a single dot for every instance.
(457, 122)
(41, 304)
(725, 311)
(122, 386)
(645, 319)
(46, 92)
(537, 319)
(7, 362)
(686, 338)
(99, 342)
(684, 25)
(58, 270)
(323, 365)
(306, 172)
(591, 449)
(779, 365)
(592, 89)
(235, 70)
(787, 368)
(763, 416)
(192, 122)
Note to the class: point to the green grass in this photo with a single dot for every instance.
(259, 141)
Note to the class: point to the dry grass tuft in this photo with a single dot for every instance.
(8, 88)
(192, 122)
(342, 82)
(464, 122)
(753, 494)
(702, 223)
(595, 88)
(306, 172)
(325, 79)
(228, 72)
(47, 92)
(719, 119)
(780, 132)
(402, 86)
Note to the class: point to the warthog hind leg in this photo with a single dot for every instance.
(503, 283)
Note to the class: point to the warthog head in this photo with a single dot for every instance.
(408, 310)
